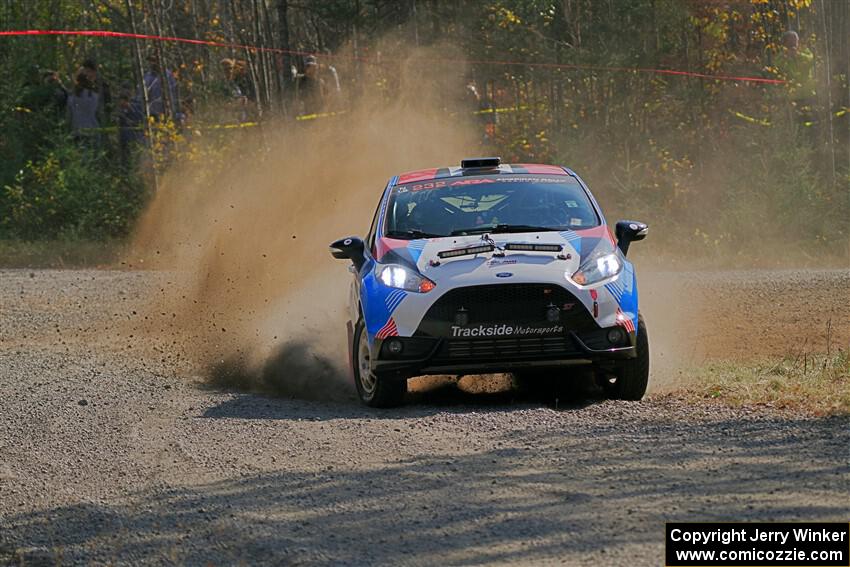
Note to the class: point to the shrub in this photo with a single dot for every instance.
(70, 192)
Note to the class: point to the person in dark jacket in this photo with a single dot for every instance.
(310, 88)
(130, 118)
(240, 91)
(161, 102)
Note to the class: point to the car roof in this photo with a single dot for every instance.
(514, 168)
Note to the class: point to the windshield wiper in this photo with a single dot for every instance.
(411, 234)
(494, 229)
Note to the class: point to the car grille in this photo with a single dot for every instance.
(515, 304)
(505, 349)
(518, 303)
(509, 349)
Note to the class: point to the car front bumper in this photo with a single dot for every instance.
(427, 355)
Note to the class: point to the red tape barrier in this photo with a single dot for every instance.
(125, 35)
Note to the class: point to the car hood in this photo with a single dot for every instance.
(500, 266)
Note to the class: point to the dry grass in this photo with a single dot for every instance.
(817, 384)
(58, 253)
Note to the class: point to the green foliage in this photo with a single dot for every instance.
(716, 167)
(725, 192)
(69, 193)
(776, 188)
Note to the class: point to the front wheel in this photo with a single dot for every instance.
(631, 376)
(374, 391)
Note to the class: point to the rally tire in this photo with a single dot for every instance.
(374, 390)
(632, 375)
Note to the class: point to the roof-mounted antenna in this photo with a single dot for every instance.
(480, 162)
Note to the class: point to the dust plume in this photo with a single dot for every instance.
(253, 295)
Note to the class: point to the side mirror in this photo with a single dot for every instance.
(350, 248)
(629, 231)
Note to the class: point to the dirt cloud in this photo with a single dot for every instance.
(255, 297)
(241, 227)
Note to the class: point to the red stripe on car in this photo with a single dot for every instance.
(384, 245)
(388, 330)
(420, 175)
(540, 169)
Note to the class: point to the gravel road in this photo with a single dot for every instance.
(112, 451)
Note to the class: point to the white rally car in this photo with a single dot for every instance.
(490, 267)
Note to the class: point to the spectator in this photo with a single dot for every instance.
(310, 89)
(40, 111)
(100, 85)
(57, 92)
(796, 65)
(239, 88)
(187, 106)
(160, 103)
(334, 88)
(130, 120)
(46, 95)
(84, 109)
(484, 112)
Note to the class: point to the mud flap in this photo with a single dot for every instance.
(350, 331)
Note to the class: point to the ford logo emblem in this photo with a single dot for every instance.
(504, 275)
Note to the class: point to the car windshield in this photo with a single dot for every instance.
(458, 206)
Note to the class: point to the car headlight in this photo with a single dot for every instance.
(598, 268)
(394, 275)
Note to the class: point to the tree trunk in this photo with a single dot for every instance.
(283, 38)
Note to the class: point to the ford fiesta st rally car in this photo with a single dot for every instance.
(492, 268)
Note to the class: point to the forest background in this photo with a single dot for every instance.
(724, 168)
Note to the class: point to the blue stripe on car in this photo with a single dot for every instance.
(394, 298)
(415, 248)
